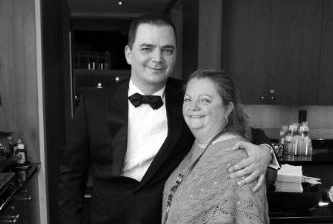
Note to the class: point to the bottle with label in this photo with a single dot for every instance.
(2, 150)
(11, 144)
(307, 142)
(295, 138)
(288, 153)
(21, 153)
(282, 143)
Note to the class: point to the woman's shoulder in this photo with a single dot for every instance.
(228, 141)
(223, 147)
(228, 137)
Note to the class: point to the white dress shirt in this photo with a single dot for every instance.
(147, 130)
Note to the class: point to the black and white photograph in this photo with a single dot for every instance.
(166, 111)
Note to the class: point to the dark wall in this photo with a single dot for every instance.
(55, 27)
(190, 36)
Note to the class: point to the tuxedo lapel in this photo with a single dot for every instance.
(117, 122)
(175, 126)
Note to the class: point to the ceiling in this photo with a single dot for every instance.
(111, 8)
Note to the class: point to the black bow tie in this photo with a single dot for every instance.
(154, 101)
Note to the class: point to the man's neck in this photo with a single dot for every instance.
(148, 89)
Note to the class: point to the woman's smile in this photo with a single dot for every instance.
(203, 108)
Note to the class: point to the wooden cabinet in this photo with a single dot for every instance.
(20, 210)
(325, 80)
(279, 51)
(27, 201)
(295, 50)
(246, 45)
(22, 196)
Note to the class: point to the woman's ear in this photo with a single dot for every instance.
(230, 108)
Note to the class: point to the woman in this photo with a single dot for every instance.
(200, 190)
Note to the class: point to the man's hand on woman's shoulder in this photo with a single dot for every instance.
(254, 167)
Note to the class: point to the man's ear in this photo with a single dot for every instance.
(128, 54)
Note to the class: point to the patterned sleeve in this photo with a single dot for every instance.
(250, 207)
(235, 204)
(239, 205)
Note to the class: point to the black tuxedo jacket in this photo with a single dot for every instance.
(98, 145)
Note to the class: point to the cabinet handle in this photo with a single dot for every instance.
(11, 219)
(87, 195)
(261, 99)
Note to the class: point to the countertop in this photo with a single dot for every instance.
(304, 207)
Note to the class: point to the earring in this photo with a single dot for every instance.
(226, 121)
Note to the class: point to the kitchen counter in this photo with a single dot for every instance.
(300, 207)
(318, 215)
(304, 207)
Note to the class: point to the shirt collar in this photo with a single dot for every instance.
(132, 88)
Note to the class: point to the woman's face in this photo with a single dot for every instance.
(203, 108)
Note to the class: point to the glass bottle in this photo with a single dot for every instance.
(21, 153)
(11, 144)
(291, 142)
(282, 142)
(107, 60)
(307, 141)
(2, 150)
(288, 145)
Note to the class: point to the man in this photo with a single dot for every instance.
(129, 147)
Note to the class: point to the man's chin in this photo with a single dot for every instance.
(158, 78)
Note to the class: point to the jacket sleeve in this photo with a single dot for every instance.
(73, 169)
(239, 204)
(258, 137)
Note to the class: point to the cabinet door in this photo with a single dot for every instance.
(6, 67)
(246, 46)
(296, 30)
(273, 46)
(325, 93)
(27, 201)
(23, 207)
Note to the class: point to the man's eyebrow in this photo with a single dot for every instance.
(152, 45)
(169, 46)
(146, 45)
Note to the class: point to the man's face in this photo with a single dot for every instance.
(152, 56)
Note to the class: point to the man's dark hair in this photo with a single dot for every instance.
(153, 19)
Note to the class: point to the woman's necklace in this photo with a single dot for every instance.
(201, 145)
(180, 176)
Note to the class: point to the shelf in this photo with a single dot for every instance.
(86, 72)
(83, 78)
(320, 156)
